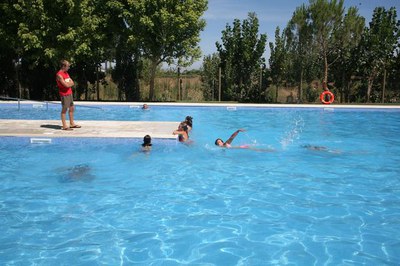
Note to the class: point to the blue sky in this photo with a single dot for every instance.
(271, 13)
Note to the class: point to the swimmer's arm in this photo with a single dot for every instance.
(178, 132)
(233, 136)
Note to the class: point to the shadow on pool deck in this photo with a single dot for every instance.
(89, 129)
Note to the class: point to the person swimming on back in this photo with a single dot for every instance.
(146, 146)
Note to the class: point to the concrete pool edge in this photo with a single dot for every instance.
(222, 104)
(89, 129)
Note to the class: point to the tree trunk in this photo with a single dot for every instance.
(326, 69)
(97, 83)
(369, 90)
(342, 89)
(178, 85)
(300, 97)
(347, 92)
(153, 70)
(384, 86)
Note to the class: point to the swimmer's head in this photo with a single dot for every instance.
(219, 142)
(146, 141)
(183, 126)
(189, 121)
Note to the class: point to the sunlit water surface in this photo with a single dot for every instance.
(104, 202)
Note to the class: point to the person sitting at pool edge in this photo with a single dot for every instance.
(146, 146)
(227, 144)
(182, 132)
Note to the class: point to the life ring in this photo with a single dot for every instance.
(331, 97)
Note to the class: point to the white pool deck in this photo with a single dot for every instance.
(131, 129)
(89, 129)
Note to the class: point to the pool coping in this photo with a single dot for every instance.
(220, 104)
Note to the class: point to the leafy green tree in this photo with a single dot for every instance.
(39, 27)
(91, 43)
(8, 54)
(48, 31)
(321, 34)
(394, 75)
(378, 45)
(345, 58)
(278, 60)
(166, 30)
(300, 43)
(241, 53)
(325, 18)
(124, 48)
(210, 76)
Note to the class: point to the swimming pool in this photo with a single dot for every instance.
(96, 201)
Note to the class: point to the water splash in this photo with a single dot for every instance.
(293, 133)
(249, 140)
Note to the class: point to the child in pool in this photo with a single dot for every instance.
(182, 132)
(146, 146)
(227, 144)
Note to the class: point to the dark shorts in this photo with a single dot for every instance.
(67, 101)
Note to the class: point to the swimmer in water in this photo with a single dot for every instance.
(182, 132)
(227, 144)
(146, 146)
(319, 148)
(188, 122)
(80, 172)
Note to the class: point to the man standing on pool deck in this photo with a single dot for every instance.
(64, 84)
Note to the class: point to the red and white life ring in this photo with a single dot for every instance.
(331, 97)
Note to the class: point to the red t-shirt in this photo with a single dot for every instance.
(64, 91)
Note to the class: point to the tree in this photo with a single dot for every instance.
(241, 57)
(300, 44)
(278, 60)
(166, 30)
(210, 75)
(124, 48)
(348, 37)
(326, 17)
(378, 45)
(48, 31)
(8, 54)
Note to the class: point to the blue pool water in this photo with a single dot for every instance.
(103, 202)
